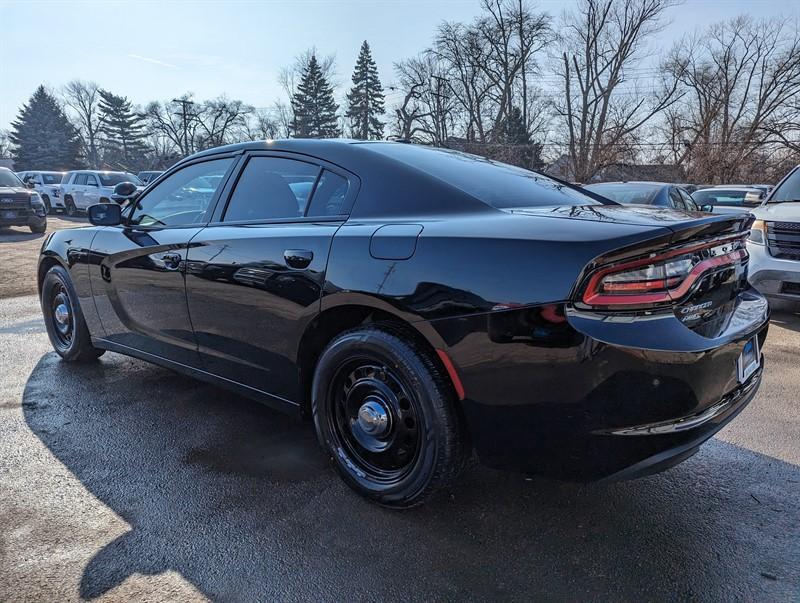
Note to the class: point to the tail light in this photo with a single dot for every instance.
(660, 278)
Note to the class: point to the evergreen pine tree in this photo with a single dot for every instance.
(43, 137)
(515, 131)
(123, 132)
(313, 105)
(365, 99)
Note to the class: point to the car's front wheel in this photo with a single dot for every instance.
(63, 318)
(69, 206)
(386, 413)
(48, 208)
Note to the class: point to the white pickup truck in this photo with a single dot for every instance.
(774, 243)
(82, 188)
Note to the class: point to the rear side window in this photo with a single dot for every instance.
(329, 196)
(271, 188)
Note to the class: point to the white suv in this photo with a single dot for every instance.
(47, 184)
(774, 243)
(82, 188)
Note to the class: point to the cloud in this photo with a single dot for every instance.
(153, 61)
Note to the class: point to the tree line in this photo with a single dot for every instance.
(588, 89)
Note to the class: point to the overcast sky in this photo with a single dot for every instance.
(150, 50)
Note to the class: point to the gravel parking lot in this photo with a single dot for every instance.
(120, 480)
(20, 251)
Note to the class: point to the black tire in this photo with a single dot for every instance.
(39, 228)
(69, 206)
(419, 445)
(47, 207)
(68, 334)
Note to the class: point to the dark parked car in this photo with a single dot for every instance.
(19, 205)
(658, 194)
(422, 304)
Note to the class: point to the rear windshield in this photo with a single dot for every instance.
(498, 184)
(629, 194)
(114, 178)
(789, 190)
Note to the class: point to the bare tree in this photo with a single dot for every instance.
(219, 120)
(602, 41)
(740, 81)
(83, 99)
(5, 144)
(429, 105)
(176, 121)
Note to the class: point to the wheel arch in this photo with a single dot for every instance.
(336, 318)
(46, 263)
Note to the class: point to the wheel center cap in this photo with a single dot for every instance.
(373, 418)
(62, 314)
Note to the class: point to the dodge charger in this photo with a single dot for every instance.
(422, 307)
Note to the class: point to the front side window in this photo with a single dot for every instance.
(723, 197)
(80, 179)
(91, 180)
(51, 178)
(271, 188)
(627, 193)
(183, 197)
(675, 198)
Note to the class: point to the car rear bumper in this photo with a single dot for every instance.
(581, 400)
(774, 277)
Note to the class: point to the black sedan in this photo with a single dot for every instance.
(422, 305)
(658, 194)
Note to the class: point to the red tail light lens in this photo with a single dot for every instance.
(660, 278)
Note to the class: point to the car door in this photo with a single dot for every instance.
(255, 274)
(78, 189)
(91, 193)
(137, 269)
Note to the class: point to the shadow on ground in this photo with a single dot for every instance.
(241, 502)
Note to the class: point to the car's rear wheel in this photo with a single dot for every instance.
(63, 318)
(39, 228)
(386, 413)
(69, 206)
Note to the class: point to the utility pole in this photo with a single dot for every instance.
(185, 102)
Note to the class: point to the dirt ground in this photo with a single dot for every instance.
(19, 248)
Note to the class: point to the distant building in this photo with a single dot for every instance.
(616, 172)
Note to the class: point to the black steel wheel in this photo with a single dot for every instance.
(386, 413)
(69, 206)
(63, 318)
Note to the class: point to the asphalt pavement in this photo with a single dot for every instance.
(123, 481)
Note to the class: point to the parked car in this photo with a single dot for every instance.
(774, 242)
(657, 194)
(82, 188)
(728, 199)
(420, 304)
(19, 205)
(764, 188)
(47, 184)
(148, 177)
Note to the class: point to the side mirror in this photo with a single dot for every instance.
(707, 207)
(125, 191)
(105, 214)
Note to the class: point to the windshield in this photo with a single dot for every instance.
(788, 190)
(54, 178)
(497, 184)
(9, 179)
(114, 178)
(629, 194)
